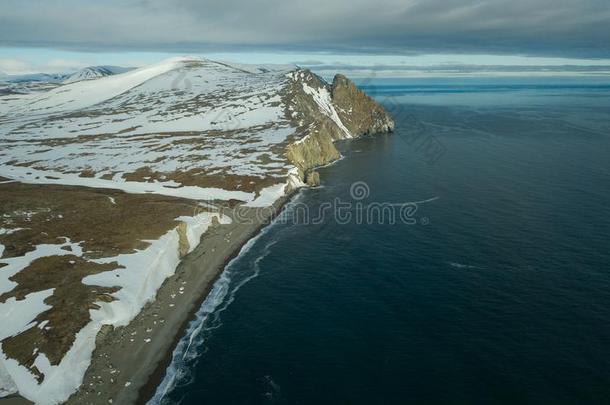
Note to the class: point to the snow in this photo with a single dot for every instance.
(4, 231)
(294, 180)
(166, 117)
(94, 72)
(268, 196)
(16, 264)
(322, 98)
(60, 381)
(18, 316)
(145, 270)
(87, 93)
(33, 176)
(141, 277)
(7, 385)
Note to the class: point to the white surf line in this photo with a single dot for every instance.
(193, 337)
(211, 306)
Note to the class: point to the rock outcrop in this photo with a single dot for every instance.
(328, 113)
(183, 240)
(358, 112)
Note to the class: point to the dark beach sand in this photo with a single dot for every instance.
(129, 362)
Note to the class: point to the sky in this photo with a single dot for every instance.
(388, 37)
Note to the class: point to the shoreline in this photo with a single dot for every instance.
(130, 362)
(149, 389)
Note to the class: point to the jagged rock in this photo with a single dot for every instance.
(359, 112)
(312, 178)
(183, 242)
(317, 149)
(357, 115)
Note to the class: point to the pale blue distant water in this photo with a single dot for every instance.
(499, 294)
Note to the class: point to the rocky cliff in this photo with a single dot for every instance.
(326, 113)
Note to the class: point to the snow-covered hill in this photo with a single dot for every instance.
(151, 123)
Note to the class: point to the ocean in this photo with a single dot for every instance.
(463, 259)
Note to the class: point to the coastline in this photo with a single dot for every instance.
(149, 389)
(130, 362)
(131, 354)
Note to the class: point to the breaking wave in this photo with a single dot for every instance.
(207, 319)
(461, 265)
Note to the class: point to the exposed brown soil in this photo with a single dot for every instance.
(129, 362)
(202, 177)
(50, 213)
(56, 328)
(105, 223)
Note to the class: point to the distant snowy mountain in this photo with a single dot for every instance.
(37, 82)
(91, 72)
(94, 72)
(36, 77)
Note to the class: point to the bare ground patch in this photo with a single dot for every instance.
(105, 223)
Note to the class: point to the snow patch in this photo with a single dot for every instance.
(141, 277)
(322, 98)
(16, 264)
(86, 93)
(268, 196)
(18, 316)
(33, 176)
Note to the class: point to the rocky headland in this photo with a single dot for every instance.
(118, 209)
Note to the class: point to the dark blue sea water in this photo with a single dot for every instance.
(498, 293)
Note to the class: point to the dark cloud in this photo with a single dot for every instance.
(543, 27)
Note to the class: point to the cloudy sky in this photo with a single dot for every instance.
(392, 35)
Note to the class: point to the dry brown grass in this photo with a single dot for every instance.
(50, 214)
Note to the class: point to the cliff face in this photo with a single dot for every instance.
(326, 113)
(358, 112)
